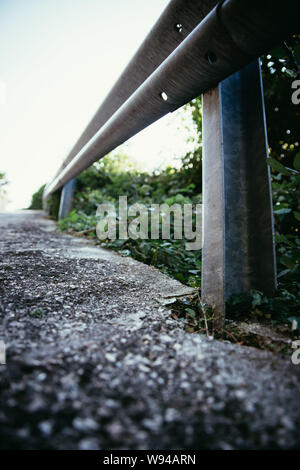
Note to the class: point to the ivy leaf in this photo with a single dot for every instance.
(196, 271)
(297, 161)
(288, 262)
(283, 239)
(257, 298)
(283, 211)
(277, 166)
(291, 73)
(297, 215)
(190, 312)
(296, 321)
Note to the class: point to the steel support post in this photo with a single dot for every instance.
(66, 198)
(46, 206)
(238, 232)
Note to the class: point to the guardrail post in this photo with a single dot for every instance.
(66, 198)
(46, 206)
(238, 234)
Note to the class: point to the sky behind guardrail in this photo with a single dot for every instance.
(59, 59)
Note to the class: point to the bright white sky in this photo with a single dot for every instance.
(58, 60)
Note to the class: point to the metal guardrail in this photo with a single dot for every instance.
(178, 19)
(230, 36)
(209, 48)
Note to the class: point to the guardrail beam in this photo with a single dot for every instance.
(175, 23)
(216, 48)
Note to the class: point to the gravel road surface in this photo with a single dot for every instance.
(94, 361)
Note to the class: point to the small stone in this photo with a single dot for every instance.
(46, 427)
(111, 357)
(85, 424)
(88, 444)
(41, 377)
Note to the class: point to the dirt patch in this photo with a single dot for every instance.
(198, 318)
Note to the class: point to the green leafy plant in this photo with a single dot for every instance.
(3, 183)
(37, 312)
(37, 199)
